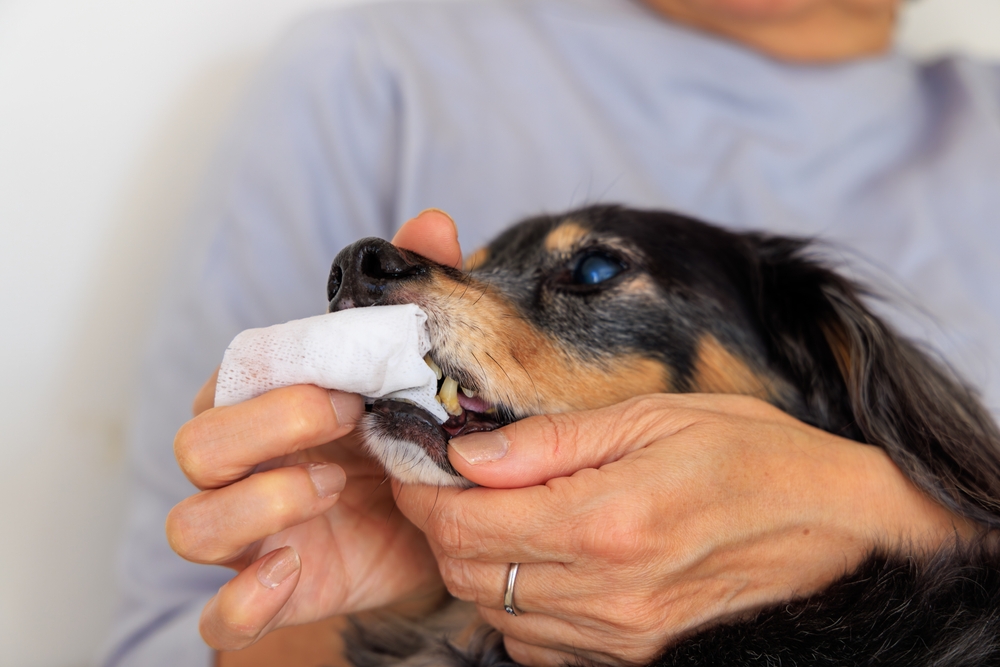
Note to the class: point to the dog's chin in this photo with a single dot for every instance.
(410, 444)
(413, 447)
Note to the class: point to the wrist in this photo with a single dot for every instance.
(902, 517)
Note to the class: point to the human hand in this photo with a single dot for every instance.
(291, 503)
(643, 521)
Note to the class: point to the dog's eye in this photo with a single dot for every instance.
(594, 269)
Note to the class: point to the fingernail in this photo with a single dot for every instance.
(328, 479)
(435, 210)
(278, 566)
(482, 447)
(345, 407)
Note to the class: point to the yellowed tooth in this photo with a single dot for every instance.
(434, 366)
(449, 396)
(468, 392)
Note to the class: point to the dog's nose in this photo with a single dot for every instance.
(363, 273)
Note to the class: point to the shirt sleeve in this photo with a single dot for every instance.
(307, 168)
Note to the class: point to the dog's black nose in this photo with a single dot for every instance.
(363, 273)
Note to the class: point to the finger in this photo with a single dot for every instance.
(205, 397)
(538, 629)
(541, 637)
(575, 512)
(216, 526)
(477, 523)
(432, 234)
(537, 586)
(534, 450)
(243, 609)
(543, 640)
(537, 656)
(224, 444)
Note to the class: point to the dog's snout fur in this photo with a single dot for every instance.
(363, 272)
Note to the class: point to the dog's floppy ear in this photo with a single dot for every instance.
(885, 391)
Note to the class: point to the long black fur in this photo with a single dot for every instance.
(856, 377)
(892, 611)
(931, 425)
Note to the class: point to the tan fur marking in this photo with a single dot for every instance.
(476, 259)
(564, 237)
(836, 338)
(641, 284)
(514, 363)
(719, 371)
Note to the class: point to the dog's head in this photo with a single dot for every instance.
(586, 309)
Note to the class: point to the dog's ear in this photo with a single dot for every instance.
(869, 383)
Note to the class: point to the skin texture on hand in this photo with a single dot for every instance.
(640, 522)
(289, 500)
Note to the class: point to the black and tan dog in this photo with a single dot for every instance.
(589, 308)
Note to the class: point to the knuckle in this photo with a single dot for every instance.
(176, 529)
(457, 578)
(616, 536)
(643, 417)
(562, 432)
(187, 450)
(189, 535)
(300, 423)
(308, 417)
(635, 617)
(521, 653)
(645, 404)
(233, 624)
(447, 528)
(181, 528)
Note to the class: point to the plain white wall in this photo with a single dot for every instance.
(108, 110)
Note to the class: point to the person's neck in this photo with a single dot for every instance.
(824, 33)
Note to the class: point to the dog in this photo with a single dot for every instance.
(589, 308)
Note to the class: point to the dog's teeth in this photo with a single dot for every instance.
(468, 392)
(434, 366)
(449, 396)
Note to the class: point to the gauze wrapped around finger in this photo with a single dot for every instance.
(376, 352)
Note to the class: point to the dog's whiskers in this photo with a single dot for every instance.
(483, 293)
(538, 398)
(510, 382)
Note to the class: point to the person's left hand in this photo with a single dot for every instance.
(655, 517)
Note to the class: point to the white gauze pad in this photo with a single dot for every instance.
(377, 352)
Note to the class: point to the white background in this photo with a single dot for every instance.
(108, 110)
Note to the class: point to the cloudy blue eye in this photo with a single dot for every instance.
(594, 269)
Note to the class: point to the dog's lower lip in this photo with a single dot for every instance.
(469, 421)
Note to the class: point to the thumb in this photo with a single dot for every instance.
(432, 234)
(534, 450)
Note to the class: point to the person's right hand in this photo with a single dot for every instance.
(290, 501)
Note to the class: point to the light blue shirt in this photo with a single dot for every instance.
(494, 110)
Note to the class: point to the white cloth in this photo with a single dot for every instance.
(377, 352)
